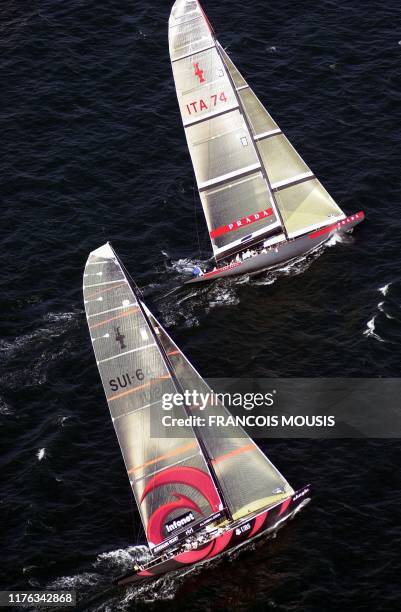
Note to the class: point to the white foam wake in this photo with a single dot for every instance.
(41, 454)
(384, 290)
(122, 558)
(370, 330)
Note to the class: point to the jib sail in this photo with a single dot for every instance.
(248, 480)
(303, 202)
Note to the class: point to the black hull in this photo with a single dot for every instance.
(282, 253)
(239, 534)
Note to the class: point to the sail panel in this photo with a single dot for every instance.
(188, 30)
(167, 474)
(238, 209)
(306, 206)
(248, 480)
(260, 120)
(235, 74)
(281, 160)
(203, 88)
(220, 146)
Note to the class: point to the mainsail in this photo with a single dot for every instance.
(182, 481)
(252, 183)
(166, 473)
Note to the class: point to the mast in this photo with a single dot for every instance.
(179, 388)
(262, 165)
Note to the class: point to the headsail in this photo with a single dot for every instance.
(252, 182)
(303, 202)
(169, 476)
(248, 480)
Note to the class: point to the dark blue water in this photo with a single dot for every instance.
(93, 150)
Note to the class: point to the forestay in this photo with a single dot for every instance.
(166, 473)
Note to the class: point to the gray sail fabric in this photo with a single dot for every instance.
(219, 140)
(190, 31)
(248, 480)
(246, 195)
(168, 475)
(202, 86)
(306, 206)
(302, 206)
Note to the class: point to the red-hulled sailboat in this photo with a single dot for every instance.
(263, 204)
(198, 494)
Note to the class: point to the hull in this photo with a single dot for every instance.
(239, 534)
(282, 253)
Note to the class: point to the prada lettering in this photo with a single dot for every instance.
(234, 225)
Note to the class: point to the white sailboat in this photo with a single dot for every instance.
(198, 494)
(262, 203)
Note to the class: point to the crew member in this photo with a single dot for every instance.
(197, 271)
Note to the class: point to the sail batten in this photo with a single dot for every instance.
(298, 178)
(230, 175)
(267, 134)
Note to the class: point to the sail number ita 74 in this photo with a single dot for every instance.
(200, 105)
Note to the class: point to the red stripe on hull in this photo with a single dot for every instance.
(145, 573)
(337, 226)
(285, 505)
(259, 520)
(221, 543)
(219, 270)
(192, 556)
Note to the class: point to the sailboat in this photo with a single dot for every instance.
(198, 494)
(263, 205)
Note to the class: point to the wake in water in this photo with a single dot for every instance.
(55, 324)
(181, 306)
(52, 327)
(95, 586)
(370, 330)
(41, 454)
(300, 264)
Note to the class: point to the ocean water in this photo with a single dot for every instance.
(93, 150)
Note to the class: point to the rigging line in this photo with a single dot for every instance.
(196, 219)
(128, 275)
(168, 293)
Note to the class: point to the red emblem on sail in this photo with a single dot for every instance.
(192, 477)
(199, 73)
